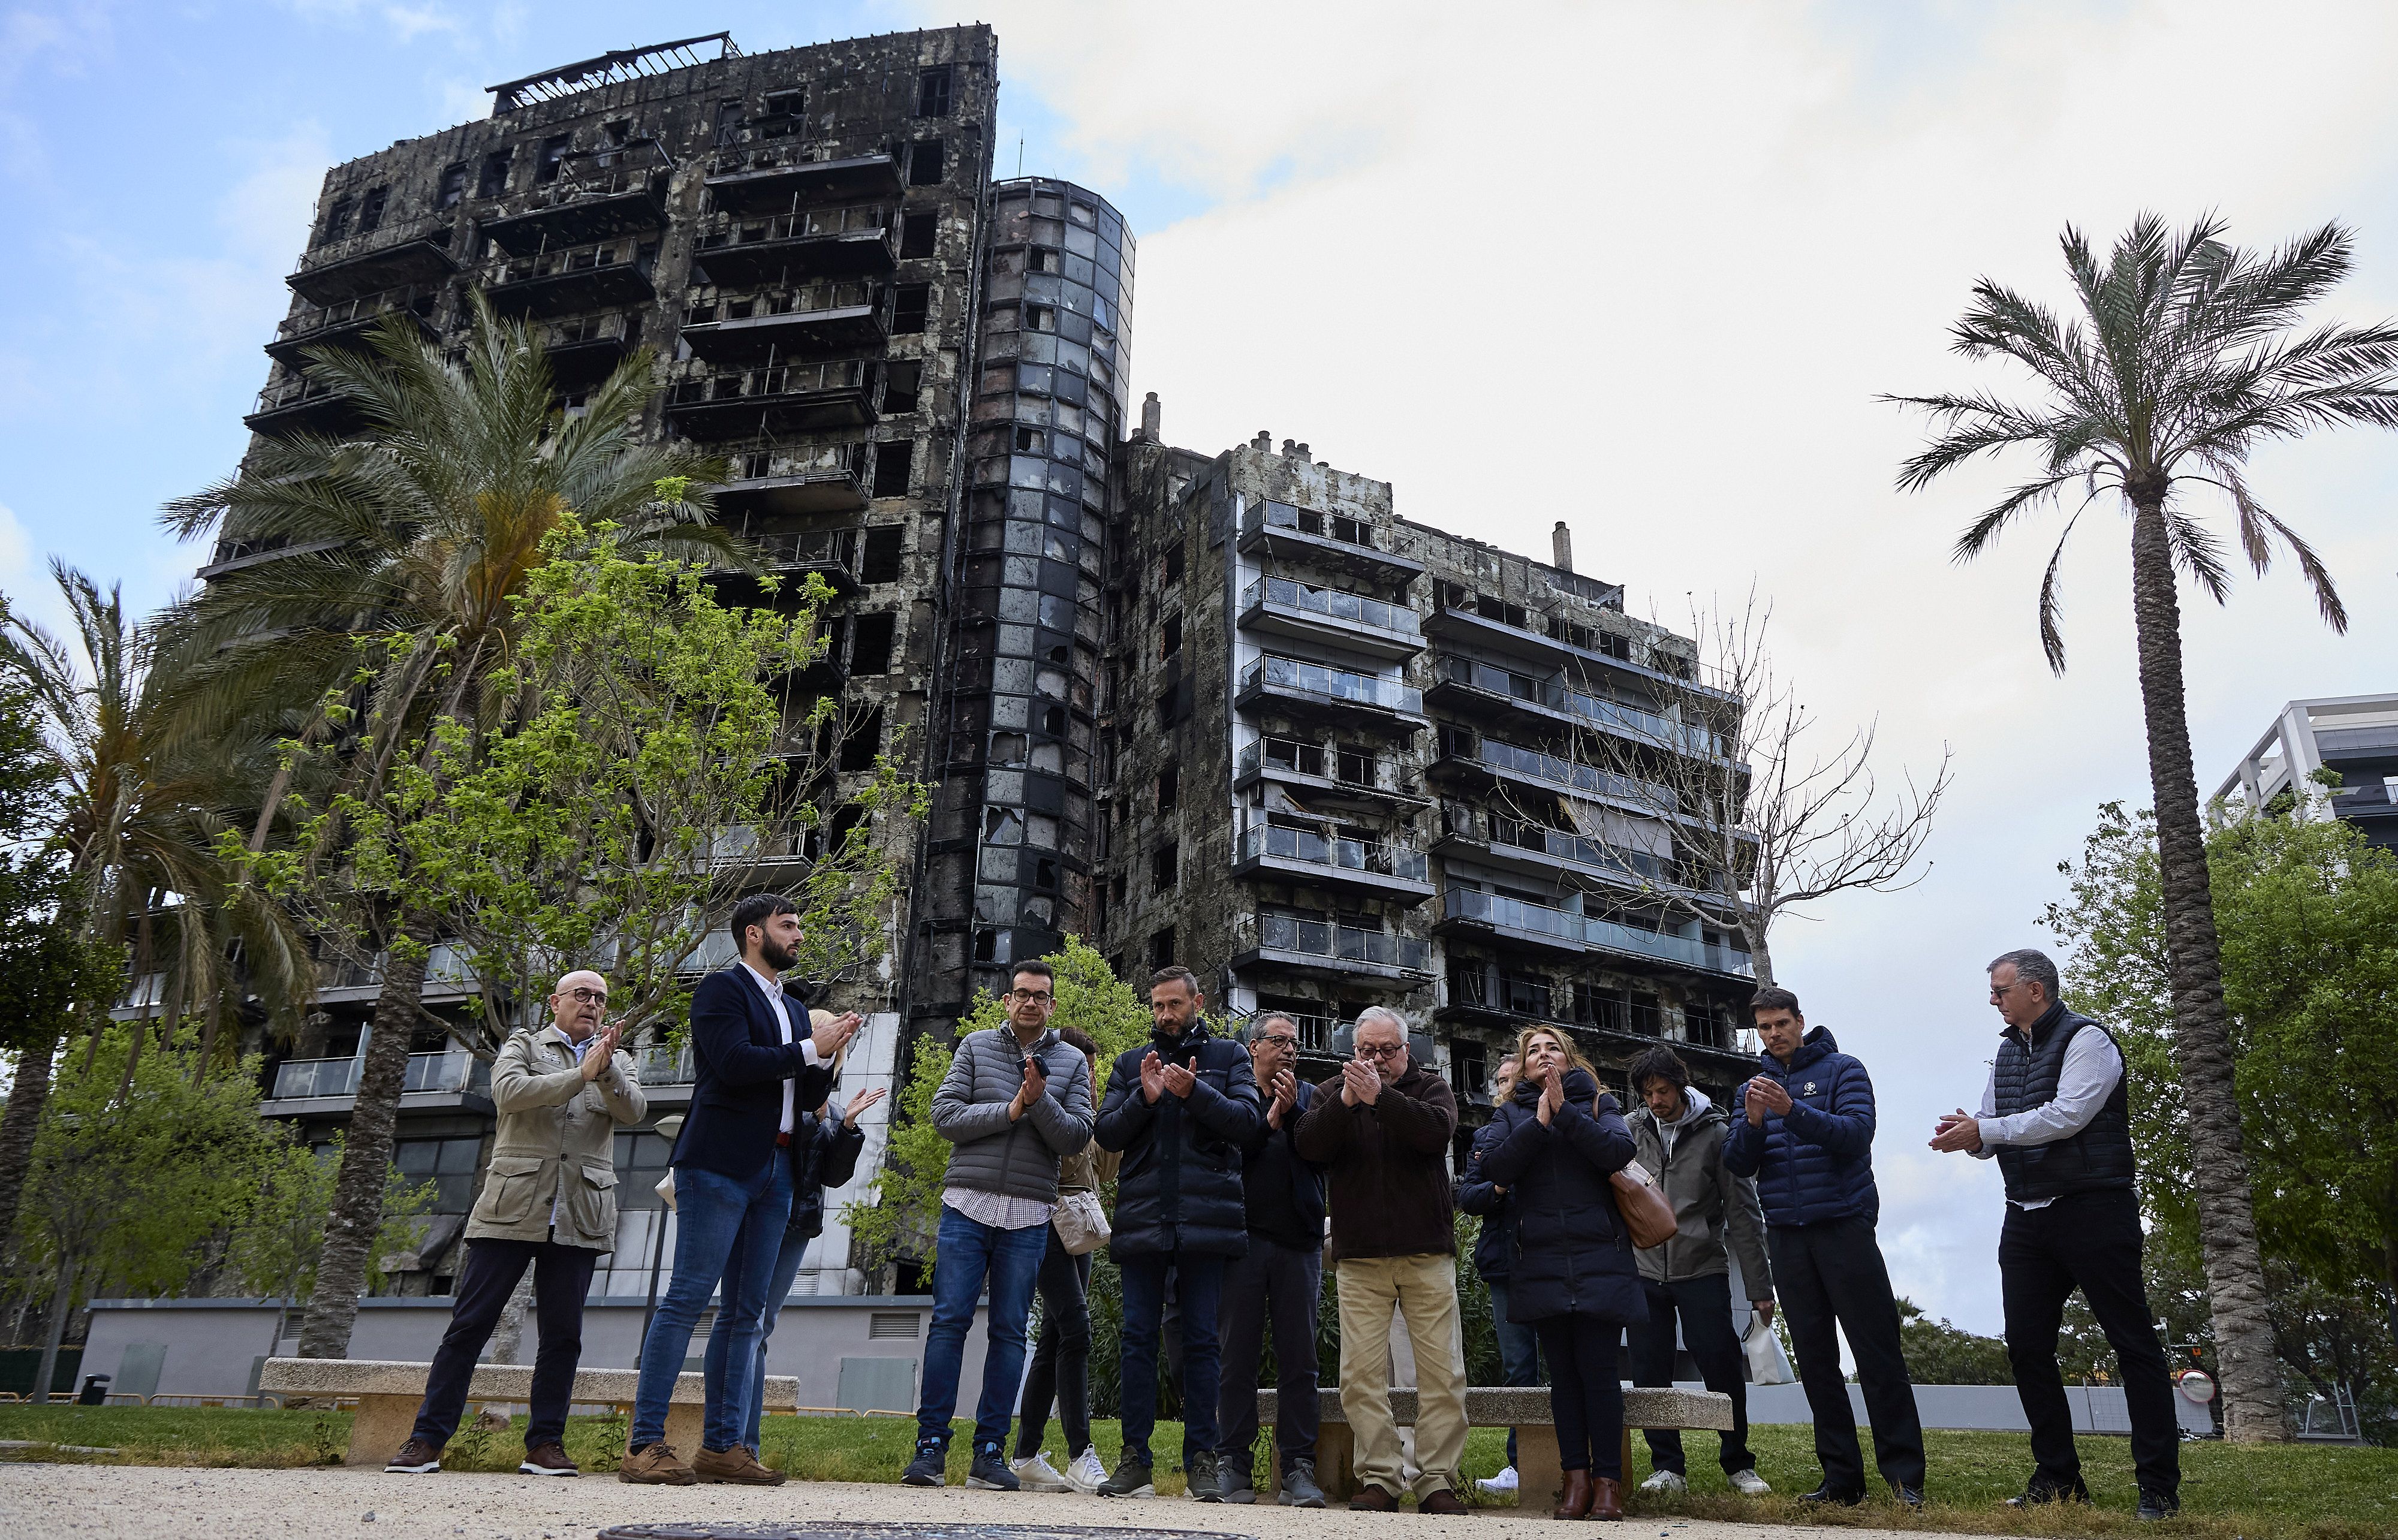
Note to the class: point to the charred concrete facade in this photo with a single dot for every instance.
(1354, 761)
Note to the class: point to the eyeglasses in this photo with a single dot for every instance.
(1280, 1039)
(1380, 1051)
(1030, 997)
(589, 997)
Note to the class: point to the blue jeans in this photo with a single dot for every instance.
(1520, 1349)
(727, 1231)
(1199, 1289)
(968, 1253)
(779, 1288)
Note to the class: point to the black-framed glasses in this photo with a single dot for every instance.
(1281, 1039)
(589, 997)
(1030, 997)
(1380, 1051)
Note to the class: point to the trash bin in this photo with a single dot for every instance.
(94, 1392)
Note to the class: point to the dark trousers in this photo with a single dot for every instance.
(561, 1278)
(1061, 1358)
(1829, 1275)
(1197, 1280)
(1519, 1350)
(1704, 1306)
(2089, 1241)
(1586, 1395)
(1281, 1285)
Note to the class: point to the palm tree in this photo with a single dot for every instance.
(2186, 355)
(409, 541)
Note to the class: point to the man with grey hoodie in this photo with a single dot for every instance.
(1678, 1135)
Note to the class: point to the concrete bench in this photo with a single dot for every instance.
(1539, 1478)
(388, 1393)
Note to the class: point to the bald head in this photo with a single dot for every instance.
(578, 1002)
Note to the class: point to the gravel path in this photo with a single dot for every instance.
(38, 1500)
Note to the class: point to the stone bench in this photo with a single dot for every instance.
(1539, 1478)
(388, 1393)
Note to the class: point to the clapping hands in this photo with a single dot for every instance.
(1360, 1083)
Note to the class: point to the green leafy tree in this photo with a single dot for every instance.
(275, 1247)
(2307, 912)
(1938, 1352)
(130, 1189)
(2186, 355)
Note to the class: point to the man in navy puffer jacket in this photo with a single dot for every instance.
(1805, 1131)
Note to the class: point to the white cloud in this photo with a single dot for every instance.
(1648, 268)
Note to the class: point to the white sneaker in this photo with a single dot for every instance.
(1666, 1480)
(1748, 1483)
(1504, 1481)
(1086, 1474)
(1038, 1475)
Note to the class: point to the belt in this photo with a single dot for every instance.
(783, 1139)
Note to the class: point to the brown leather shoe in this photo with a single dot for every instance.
(1373, 1499)
(1573, 1502)
(548, 1459)
(1607, 1498)
(736, 1465)
(1443, 1501)
(415, 1458)
(655, 1465)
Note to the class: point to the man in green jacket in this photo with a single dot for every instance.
(548, 1202)
(1679, 1136)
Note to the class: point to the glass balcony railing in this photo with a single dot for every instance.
(1332, 604)
(1312, 522)
(454, 1071)
(1314, 850)
(730, 229)
(665, 1066)
(1343, 943)
(832, 377)
(1491, 908)
(1577, 849)
(1366, 772)
(1290, 675)
(1558, 770)
(801, 300)
(1551, 693)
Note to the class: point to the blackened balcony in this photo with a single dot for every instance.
(739, 251)
(1277, 606)
(347, 322)
(1321, 690)
(302, 405)
(770, 481)
(831, 554)
(1468, 685)
(390, 256)
(1470, 757)
(608, 276)
(1466, 911)
(828, 316)
(1376, 867)
(1329, 539)
(587, 349)
(599, 195)
(1563, 645)
(1497, 840)
(776, 178)
(740, 403)
(1327, 777)
(1328, 949)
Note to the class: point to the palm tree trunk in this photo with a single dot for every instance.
(2253, 1402)
(19, 1123)
(356, 1217)
(55, 1331)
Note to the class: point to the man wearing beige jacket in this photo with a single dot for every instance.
(549, 1201)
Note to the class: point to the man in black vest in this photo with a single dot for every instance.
(2056, 1119)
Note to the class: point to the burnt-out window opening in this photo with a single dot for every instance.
(893, 459)
(553, 159)
(1041, 259)
(1161, 947)
(1174, 562)
(916, 232)
(493, 180)
(1467, 1074)
(728, 123)
(1355, 766)
(899, 382)
(1165, 867)
(1170, 635)
(785, 111)
(620, 132)
(370, 209)
(870, 642)
(1027, 440)
(863, 741)
(1053, 721)
(1040, 318)
(933, 92)
(924, 163)
(1169, 788)
(453, 185)
(337, 219)
(882, 563)
(1044, 876)
(912, 305)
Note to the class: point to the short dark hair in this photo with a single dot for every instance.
(1036, 967)
(1080, 1041)
(1774, 997)
(2032, 965)
(1258, 1022)
(1175, 973)
(1659, 1064)
(756, 909)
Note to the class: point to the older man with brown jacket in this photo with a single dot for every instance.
(548, 1202)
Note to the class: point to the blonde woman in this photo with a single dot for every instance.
(1574, 1281)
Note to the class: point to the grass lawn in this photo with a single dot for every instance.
(2286, 1492)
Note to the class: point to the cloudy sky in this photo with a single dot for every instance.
(1641, 269)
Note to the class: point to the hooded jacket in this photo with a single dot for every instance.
(1180, 1184)
(1711, 1206)
(991, 1154)
(1816, 1163)
(1572, 1255)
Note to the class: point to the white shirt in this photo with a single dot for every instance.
(2087, 1078)
(774, 988)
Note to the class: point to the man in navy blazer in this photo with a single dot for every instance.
(758, 1060)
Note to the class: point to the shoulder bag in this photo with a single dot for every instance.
(1080, 1223)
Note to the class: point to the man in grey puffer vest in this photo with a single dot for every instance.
(1016, 1098)
(2056, 1117)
